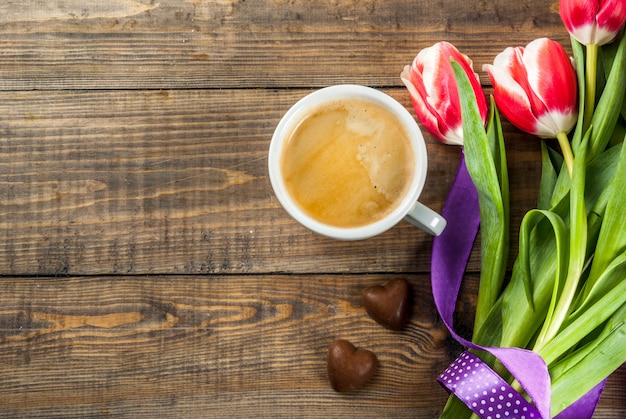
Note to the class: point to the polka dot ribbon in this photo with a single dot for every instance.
(484, 391)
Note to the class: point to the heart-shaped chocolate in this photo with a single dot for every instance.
(389, 304)
(349, 367)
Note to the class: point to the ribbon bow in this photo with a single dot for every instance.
(470, 379)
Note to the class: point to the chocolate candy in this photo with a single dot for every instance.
(389, 304)
(349, 367)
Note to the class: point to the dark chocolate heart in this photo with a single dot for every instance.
(389, 304)
(349, 367)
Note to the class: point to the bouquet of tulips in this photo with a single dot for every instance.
(565, 299)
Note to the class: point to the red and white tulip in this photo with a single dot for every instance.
(434, 92)
(536, 88)
(593, 22)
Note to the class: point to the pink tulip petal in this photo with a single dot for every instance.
(535, 87)
(593, 21)
(467, 65)
(551, 77)
(603, 36)
(612, 15)
(519, 69)
(585, 34)
(555, 122)
(511, 91)
(576, 13)
(432, 85)
(424, 111)
(438, 76)
(512, 99)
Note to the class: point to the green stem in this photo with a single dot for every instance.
(577, 249)
(566, 149)
(590, 83)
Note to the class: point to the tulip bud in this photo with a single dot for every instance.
(434, 92)
(594, 22)
(535, 88)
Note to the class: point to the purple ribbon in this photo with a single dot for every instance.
(450, 253)
(484, 391)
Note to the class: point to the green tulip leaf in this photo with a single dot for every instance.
(604, 358)
(609, 106)
(612, 238)
(590, 318)
(486, 164)
(551, 162)
(577, 248)
(529, 221)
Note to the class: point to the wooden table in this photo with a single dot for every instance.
(147, 269)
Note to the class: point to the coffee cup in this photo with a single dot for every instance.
(349, 162)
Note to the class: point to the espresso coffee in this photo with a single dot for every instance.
(348, 163)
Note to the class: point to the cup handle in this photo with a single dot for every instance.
(428, 220)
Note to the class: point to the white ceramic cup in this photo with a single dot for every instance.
(409, 208)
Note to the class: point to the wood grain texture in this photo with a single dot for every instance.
(217, 346)
(176, 182)
(146, 268)
(237, 44)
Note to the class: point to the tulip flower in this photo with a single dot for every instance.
(535, 88)
(592, 23)
(434, 93)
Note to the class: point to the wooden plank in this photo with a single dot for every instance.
(222, 346)
(208, 345)
(237, 44)
(112, 182)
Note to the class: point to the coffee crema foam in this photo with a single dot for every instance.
(348, 163)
